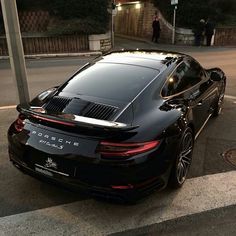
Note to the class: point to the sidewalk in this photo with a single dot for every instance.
(89, 217)
(127, 42)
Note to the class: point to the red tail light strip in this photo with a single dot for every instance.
(123, 187)
(19, 123)
(131, 186)
(126, 149)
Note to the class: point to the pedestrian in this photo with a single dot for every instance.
(199, 32)
(156, 29)
(209, 31)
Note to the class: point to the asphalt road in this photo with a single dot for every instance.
(42, 74)
(21, 193)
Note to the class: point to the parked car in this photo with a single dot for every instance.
(121, 126)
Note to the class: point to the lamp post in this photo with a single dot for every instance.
(113, 13)
(15, 48)
(174, 3)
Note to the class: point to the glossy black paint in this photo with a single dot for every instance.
(69, 154)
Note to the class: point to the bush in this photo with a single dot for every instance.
(73, 16)
(76, 26)
(79, 16)
(70, 9)
(29, 5)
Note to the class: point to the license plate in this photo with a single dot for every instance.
(49, 172)
(45, 172)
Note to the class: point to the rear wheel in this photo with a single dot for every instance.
(183, 160)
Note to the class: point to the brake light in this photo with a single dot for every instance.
(126, 149)
(123, 187)
(19, 123)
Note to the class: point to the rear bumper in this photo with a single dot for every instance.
(137, 191)
(125, 179)
(121, 195)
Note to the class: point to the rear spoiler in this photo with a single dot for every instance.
(71, 120)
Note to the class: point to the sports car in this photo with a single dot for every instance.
(121, 127)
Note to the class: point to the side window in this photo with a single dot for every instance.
(194, 73)
(185, 76)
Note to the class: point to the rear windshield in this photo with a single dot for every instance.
(111, 81)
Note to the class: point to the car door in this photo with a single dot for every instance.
(203, 93)
(186, 85)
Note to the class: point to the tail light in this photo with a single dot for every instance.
(19, 123)
(123, 187)
(126, 149)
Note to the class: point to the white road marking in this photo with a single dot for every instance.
(8, 107)
(91, 217)
(230, 97)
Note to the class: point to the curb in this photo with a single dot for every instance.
(148, 41)
(38, 56)
(175, 46)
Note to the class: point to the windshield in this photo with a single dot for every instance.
(120, 82)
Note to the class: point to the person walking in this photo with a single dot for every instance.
(156, 30)
(209, 31)
(199, 32)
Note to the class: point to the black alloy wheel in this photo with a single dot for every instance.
(183, 160)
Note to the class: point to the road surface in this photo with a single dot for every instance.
(21, 194)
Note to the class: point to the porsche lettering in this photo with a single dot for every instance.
(60, 142)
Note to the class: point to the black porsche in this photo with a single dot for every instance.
(121, 126)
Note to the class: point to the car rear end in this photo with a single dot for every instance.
(81, 135)
(95, 160)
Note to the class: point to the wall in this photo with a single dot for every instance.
(225, 36)
(35, 40)
(138, 22)
(34, 21)
(44, 44)
(100, 42)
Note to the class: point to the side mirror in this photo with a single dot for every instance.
(215, 76)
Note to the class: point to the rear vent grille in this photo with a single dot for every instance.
(80, 107)
(77, 106)
(99, 111)
(57, 104)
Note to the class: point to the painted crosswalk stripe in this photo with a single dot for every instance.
(8, 107)
(230, 97)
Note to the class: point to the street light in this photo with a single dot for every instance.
(174, 3)
(15, 48)
(113, 12)
(137, 6)
(119, 7)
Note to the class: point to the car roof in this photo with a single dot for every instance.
(154, 59)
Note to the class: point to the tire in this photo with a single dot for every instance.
(183, 160)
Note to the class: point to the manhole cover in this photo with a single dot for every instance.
(230, 156)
